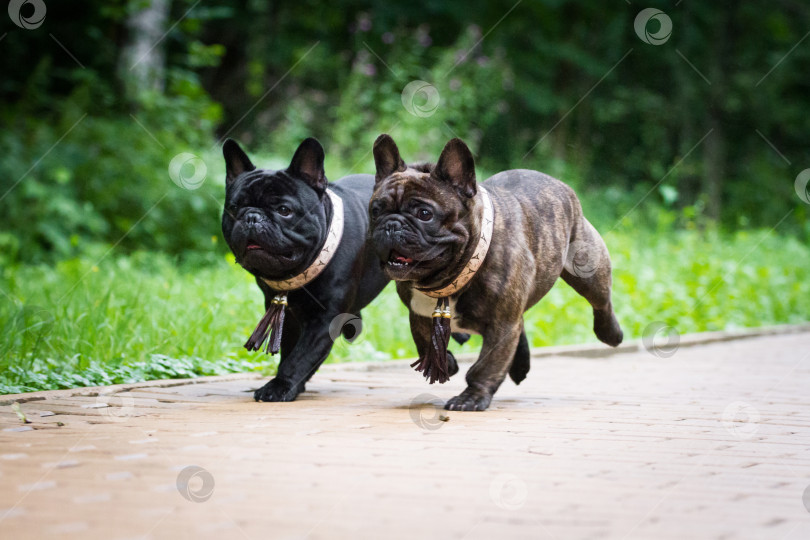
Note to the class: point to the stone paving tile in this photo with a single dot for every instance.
(713, 442)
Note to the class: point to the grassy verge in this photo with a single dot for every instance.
(147, 316)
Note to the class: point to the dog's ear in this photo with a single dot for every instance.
(456, 166)
(307, 164)
(236, 161)
(386, 157)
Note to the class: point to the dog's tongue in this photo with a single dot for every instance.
(401, 259)
(254, 246)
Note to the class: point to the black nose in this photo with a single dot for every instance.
(252, 218)
(392, 227)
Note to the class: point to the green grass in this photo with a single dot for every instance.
(147, 316)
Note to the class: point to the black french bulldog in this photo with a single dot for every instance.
(276, 223)
(426, 222)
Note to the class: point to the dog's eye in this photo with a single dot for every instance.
(375, 212)
(424, 214)
(284, 211)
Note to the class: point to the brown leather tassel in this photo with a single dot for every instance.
(270, 326)
(434, 364)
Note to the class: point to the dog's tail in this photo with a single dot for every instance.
(522, 360)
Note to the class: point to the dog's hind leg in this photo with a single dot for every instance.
(522, 360)
(587, 270)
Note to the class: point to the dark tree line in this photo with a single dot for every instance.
(711, 119)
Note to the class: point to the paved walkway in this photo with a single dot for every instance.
(712, 442)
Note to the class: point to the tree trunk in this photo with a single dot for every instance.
(715, 165)
(715, 152)
(143, 58)
(691, 106)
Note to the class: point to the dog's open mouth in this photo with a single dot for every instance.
(398, 260)
(287, 256)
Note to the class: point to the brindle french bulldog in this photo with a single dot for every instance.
(425, 224)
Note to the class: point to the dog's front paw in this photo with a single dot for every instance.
(469, 400)
(277, 390)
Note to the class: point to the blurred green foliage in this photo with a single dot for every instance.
(561, 86)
